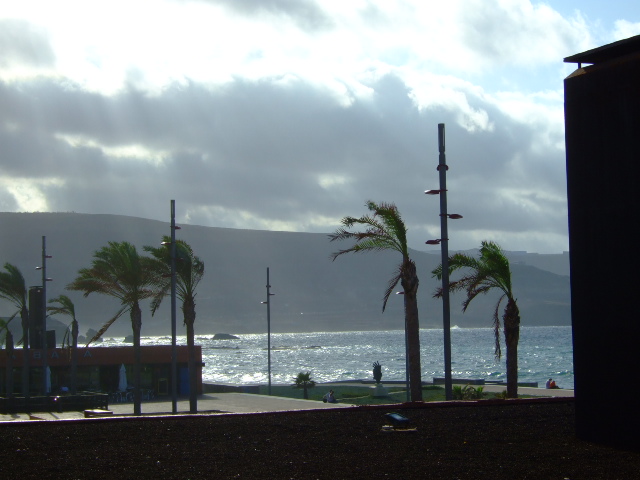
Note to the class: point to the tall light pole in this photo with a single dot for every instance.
(174, 354)
(268, 303)
(174, 349)
(443, 241)
(43, 268)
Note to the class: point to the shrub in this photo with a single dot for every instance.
(502, 395)
(467, 392)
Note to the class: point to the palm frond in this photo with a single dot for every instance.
(65, 306)
(496, 328)
(12, 286)
(391, 286)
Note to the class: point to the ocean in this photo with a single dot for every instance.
(543, 352)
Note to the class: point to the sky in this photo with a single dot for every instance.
(290, 114)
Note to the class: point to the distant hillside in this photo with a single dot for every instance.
(312, 293)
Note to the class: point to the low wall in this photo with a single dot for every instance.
(465, 381)
(226, 388)
(65, 403)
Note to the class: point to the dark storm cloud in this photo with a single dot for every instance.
(21, 43)
(263, 147)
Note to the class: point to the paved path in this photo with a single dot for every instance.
(243, 403)
(209, 403)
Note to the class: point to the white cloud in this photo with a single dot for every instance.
(288, 115)
(625, 29)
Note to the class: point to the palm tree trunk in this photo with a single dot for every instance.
(412, 324)
(511, 321)
(74, 357)
(24, 315)
(9, 374)
(136, 324)
(189, 313)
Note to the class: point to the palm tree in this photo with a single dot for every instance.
(303, 380)
(66, 307)
(189, 272)
(491, 270)
(8, 339)
(385, 230)
(13, 289)
(118, 271)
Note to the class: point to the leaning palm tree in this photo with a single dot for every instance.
(491, 270)
(189, 272)
(13, 289)
(8, 339)
(64, 306)
(118, 271)
(385, 230)
(303, 380)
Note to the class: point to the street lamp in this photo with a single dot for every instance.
(444, 246)
(43, 268)
(406, 355)
(174, 355)
(268, 304)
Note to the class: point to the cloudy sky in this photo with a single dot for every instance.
(290, 114)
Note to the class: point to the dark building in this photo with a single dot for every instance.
(602, 118)
(99, 367)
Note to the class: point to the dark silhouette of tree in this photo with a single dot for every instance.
(118, 271)
(189, 272)
(303, 380)
(385, 230)
(66, 307)
(13, 289)
(487, 272)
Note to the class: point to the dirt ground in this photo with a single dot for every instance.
(510, 440)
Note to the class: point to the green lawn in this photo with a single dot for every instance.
(361, 395)
(355, 395)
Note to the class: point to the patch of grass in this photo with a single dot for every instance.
(356, 395)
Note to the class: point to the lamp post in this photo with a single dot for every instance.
(268, 303)
(174, 354)
(444, 247)
(406, 353)
(43, 268)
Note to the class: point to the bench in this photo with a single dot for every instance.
(97, 412)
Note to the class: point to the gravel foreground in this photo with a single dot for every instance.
(514, 440)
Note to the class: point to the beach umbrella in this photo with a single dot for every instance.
(47, 378)
(122, 381)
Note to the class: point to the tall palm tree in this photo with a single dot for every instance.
(303, 380)
(66, 307)
(13, 289)
(118, 271)
(189, 272)
(8, 339)
(491, 270)
(385, 230)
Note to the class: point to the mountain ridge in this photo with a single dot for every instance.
(312, 293)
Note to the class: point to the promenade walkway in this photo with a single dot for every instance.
(209, 403)
(240, 403)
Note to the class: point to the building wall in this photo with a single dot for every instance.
(98, 367)
(602, 115)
